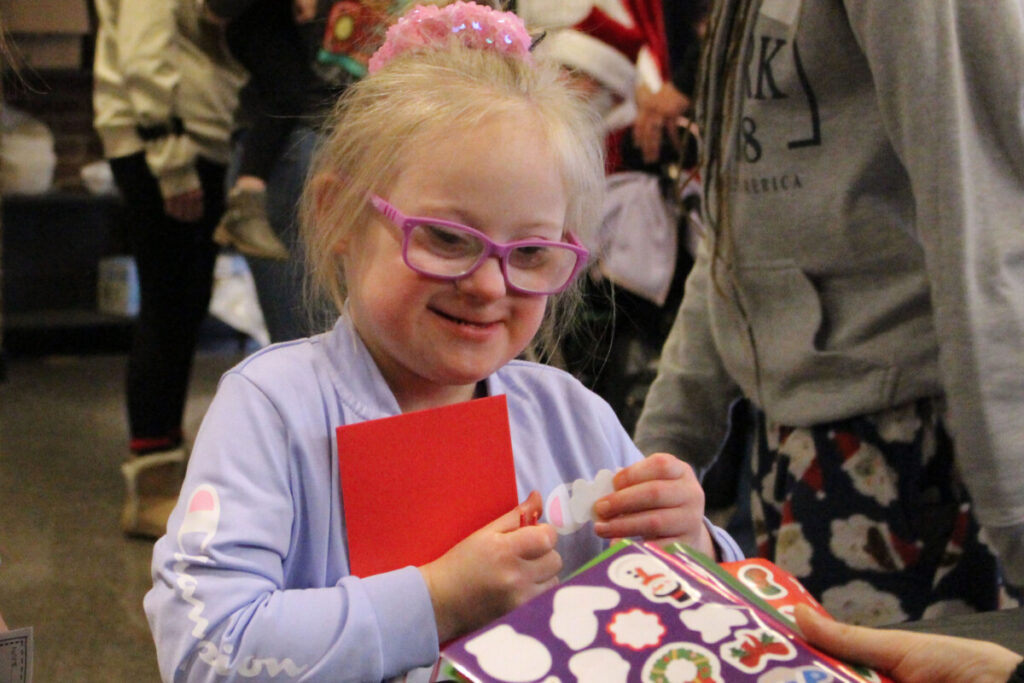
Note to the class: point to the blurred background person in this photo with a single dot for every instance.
(165, 91)
(300, 55)
(610, 47)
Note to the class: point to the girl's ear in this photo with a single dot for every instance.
(325, 191)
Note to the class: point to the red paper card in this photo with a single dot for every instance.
(416, 484)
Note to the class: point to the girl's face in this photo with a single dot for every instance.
(433, 340)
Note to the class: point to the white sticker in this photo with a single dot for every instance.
(636, 629)
(570, 506)
(713, 622)
(573, 610)
(601, 664)
(504, 654)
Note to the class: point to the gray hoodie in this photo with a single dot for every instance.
(875, 248)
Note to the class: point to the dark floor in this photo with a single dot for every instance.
(66, 570)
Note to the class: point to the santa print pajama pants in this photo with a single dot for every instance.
(870, 515)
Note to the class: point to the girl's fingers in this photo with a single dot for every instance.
(659, 481)
(524, 514)
(533, 542)
(649, 524)
(546, 567)
(530, 509)
(656, 466)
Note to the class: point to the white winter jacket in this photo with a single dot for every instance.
(163, 73)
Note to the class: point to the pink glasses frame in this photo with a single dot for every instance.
(491, 248)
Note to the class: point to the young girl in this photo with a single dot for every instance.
(252, 578)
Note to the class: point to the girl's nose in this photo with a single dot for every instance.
(486, 282)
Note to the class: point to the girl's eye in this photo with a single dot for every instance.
(444, 241)
(534, 256)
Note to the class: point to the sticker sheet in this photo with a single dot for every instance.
(640, 613)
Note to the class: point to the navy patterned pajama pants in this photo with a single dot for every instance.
(870, 515)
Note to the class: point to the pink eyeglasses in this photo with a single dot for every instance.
(450, 251)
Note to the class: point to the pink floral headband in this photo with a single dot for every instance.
(478, 27)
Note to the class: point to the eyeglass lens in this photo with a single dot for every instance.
(446, 251)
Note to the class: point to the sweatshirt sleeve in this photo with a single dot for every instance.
(240, 587)
(146, 43)
(686, 409)
(950, 88)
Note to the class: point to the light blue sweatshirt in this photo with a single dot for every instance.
(252, 582)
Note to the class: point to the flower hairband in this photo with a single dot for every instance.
(476, 25)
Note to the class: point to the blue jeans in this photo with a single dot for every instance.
(279, 283)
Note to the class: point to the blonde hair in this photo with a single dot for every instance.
(440, 92)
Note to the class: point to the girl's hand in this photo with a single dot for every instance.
(658, 499)
(493, 570)
(906, 656)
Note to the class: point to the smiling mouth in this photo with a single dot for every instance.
(461, 321)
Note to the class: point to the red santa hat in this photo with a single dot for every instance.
(601, 38)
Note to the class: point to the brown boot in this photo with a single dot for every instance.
(152, 483)
(245, 227)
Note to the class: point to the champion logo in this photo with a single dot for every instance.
(249, 667)
(201, 517)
